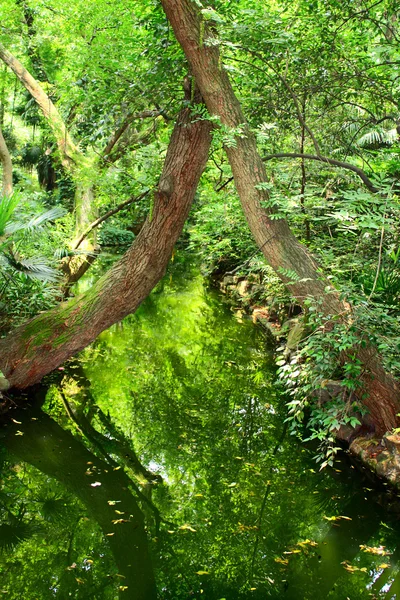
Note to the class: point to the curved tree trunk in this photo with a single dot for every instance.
(45, 342)
(288, 257)
(5, 159)
(55, 452)
(72, 159)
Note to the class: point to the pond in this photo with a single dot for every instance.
(157, 464)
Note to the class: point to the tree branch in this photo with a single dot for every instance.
(124, 126)
(69, 152)
(108, 214)
(330, 161)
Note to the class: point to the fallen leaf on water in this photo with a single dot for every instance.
(95, 484)
(15, 421)
(119, 512)
(281, 561)
(187, 528)
(19, 432)
(110, 534)
(202, 573)
(307, 542)
(118, 521)
(378, 550)
(352, 569)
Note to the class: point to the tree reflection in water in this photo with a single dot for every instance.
(184, 391)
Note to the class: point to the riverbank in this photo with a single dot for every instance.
(283, 325)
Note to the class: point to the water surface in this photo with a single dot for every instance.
(159, 459)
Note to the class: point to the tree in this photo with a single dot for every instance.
(290, 259)
(5, 159)
(38, 347)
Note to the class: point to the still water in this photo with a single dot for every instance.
(157, 465)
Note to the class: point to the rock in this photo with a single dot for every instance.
(392, 443)
(242, 287)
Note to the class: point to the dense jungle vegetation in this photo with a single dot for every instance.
(257, 140)
(89, 97)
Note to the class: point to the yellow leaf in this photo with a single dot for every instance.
(377, 550)
(119, 521)
(202, 573)
(187, 528)
(383, 566)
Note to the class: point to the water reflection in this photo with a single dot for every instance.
(166, 439)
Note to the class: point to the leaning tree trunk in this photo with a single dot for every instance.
(288, 257)
(77, 164)
(5, 160)
(45, 342)
(42, 443)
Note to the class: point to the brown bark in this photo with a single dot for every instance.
(289, 258)
(5, 159)
(45, 342)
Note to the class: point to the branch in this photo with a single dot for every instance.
(329, 161)
(124, 126)
(108, 214)
(5, 159)
(69, 153)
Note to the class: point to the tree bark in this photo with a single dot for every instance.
(288, 257)
(5, 159)
(45, 342)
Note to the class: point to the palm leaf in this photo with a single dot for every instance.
(37, 222)
(8, 204)
(13, 534)
(377, 137)
(35, 267)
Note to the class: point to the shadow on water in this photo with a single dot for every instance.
(160, 455)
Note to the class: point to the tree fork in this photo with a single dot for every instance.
(287, 256)
(42, 344)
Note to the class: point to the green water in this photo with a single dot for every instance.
(188, 387)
